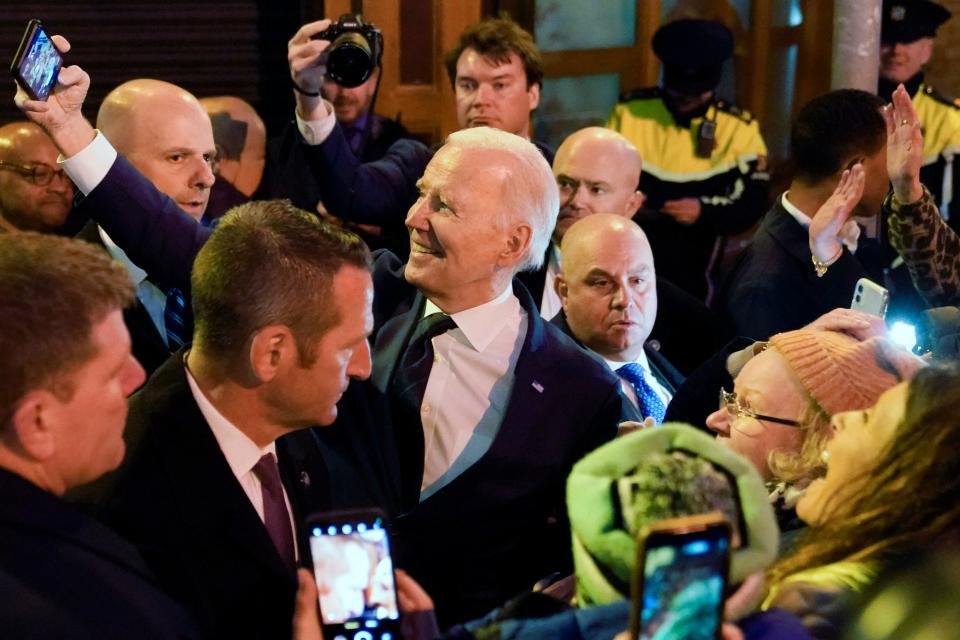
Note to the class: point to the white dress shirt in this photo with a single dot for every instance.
(150, 296)
(89, 166)
(469, 386)
(241, 452)
(651, 379)
(316, 131)
(849, 233)
(550, 301)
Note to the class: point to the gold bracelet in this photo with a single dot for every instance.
(820, 266)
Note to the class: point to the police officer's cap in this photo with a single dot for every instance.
(910, 20)
(693, 53)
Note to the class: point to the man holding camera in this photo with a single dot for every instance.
(496, 72)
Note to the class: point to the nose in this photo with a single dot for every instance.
(60, 183)
(719, 422)
(360, 363)
(621, 296)
(203, 177)
(133, 377)
(484, 93)
(578, 197)
(418, 215)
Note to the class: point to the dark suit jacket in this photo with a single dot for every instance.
(774, 287)
(177, 499)
(686, 330)
(148, 346)
(501, 525)
(64, 575)
(665, 373)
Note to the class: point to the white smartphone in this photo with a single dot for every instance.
(870, 297)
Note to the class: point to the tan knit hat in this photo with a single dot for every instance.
(842, 373)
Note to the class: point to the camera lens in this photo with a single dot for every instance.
(350, 62)
(857, 298)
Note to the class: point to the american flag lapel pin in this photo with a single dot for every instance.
(536, 385)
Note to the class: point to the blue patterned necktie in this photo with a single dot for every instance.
(174, 319)
(650, 403)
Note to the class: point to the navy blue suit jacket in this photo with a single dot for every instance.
(64, 575)
(501, 525)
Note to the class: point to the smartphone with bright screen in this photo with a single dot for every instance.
(680, 579)
(37, 63)
(353, 569)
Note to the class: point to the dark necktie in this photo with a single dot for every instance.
(174, 319)
(410, 379)
(650, 403)
(275, 514)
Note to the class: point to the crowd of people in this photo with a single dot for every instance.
(522, 359)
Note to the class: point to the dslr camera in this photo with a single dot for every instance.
(355, 50)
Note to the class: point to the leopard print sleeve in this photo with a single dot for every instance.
(930, 248)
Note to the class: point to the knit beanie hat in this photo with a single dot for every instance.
(843, 373)
(633, 481)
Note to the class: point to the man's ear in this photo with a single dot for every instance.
(560, 286)
(517, 244)
(272, 349)
(634, 203)
(33, 426)
(533, 94)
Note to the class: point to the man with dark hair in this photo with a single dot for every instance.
(64, 380)
(498, 87)
(35, 194)
(222, 472)
(704, 160)
(778, 284)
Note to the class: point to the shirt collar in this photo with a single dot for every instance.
(640, 360)
(241, 452)
(137, 274)
(481, 324)
(849, 233)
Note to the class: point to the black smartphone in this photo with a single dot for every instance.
(680, 579)
(37, 63)
(354, 574)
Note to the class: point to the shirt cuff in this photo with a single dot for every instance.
(89, 166)
(316, 131)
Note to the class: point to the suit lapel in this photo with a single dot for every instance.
(388, 349)
(203, 482)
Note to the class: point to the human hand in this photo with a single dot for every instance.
(746, 598)
(686, 211)
(410, 595)
(306, 620)
(307, 59)
(858, 324)
(60, 114)
(629, 426)
(904, 147)
(830, 217)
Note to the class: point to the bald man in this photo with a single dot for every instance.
(164, 132)
(35, 194)
(597, 170)
(608, 291)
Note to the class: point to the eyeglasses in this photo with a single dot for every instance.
(737, 408)
(39, 174)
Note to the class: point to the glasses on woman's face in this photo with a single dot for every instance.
(39, 174)
(737, 407)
